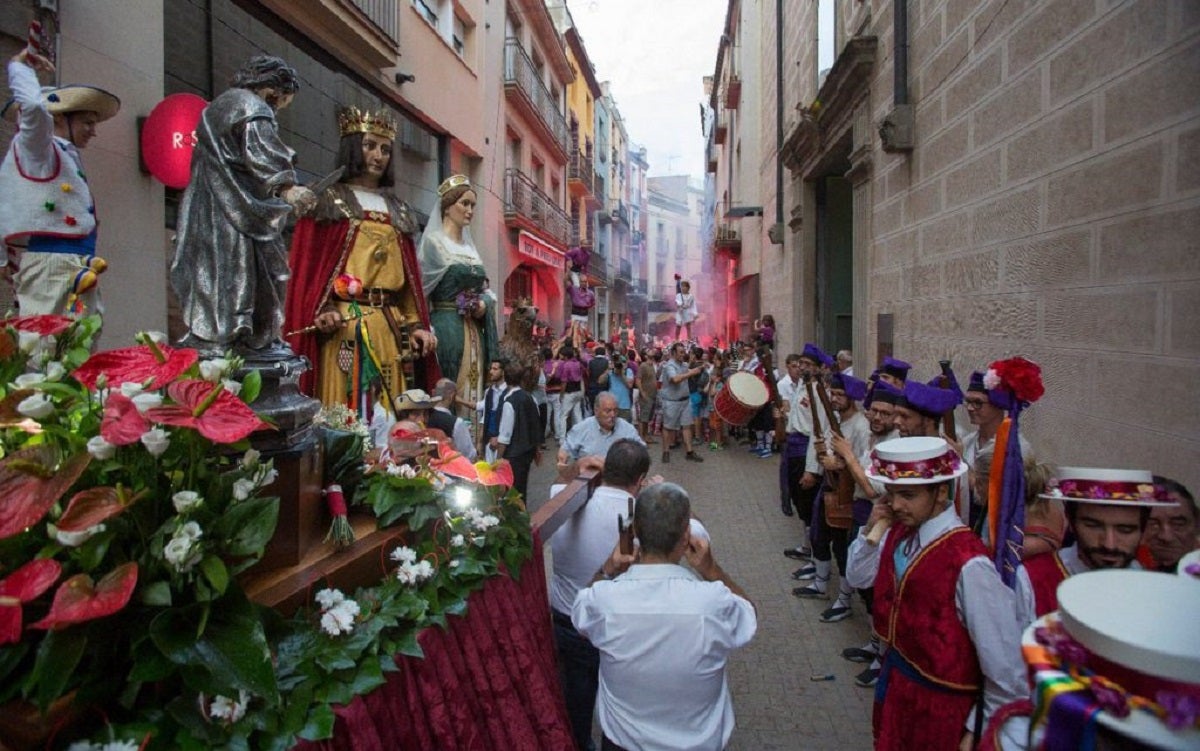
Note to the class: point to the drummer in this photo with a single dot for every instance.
(763, 422)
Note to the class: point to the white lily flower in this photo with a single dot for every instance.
(229, 710)
(29, 380)
(55, 371)
(156, 441)
(37, 406)
(100, 449)
(27, 341)
(178, 552)
(147, 400)
(232, 386)
(212, 370)
(157, 337)
(250, 458)
(131, 389)
(186, 500)
(190, 530)
(243, 488)
(73, 539)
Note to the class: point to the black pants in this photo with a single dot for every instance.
(520, 468)
(607, 745)
(579, 674)
(828, 542)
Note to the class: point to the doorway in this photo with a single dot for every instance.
(834, 263)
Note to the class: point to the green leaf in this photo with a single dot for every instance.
(57, 656)
(408, 645)
(214, 570)
(248, 526)
(251, 386)
(11, 657)
(320, 723)
(231, 652)
(369, 678)
(157, 594)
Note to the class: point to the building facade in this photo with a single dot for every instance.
(970, 181)
(675, 245)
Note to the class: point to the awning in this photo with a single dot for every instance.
(539, 251)
(738, 212)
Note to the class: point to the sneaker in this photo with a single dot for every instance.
(867, 678)
(809, 591)
(805, 573)
(692, 456)
(798, 553)
(858, 654)
(666, 457)
(835, 614)
(764, 453)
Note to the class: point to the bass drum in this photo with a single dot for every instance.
(743, 396)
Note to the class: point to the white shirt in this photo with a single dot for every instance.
(973, 447)
(856, 429)
(799, 419)
(463, 443)
(985, 607)
(664, 637)
(508, 418)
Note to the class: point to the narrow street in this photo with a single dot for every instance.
(777, 706)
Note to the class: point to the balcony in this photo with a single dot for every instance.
(619, 212)
(362, 33)
(581, 172)
(527, 207)
(524, 89)
(720, 129)
(625, 271)
(710, 151)
(726, 240)
(733, 92)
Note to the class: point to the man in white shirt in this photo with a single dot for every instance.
(594, 436)
(578, 548)
(664, 635)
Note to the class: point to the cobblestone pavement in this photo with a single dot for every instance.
(778, 707)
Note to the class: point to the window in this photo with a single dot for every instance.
(519, 284)
(423, 7)
(826, 38)
(458, 38)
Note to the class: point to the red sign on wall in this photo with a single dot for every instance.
(168, 136)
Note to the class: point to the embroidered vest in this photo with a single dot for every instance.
(916, 615)
(59, 205)
(1046, 571)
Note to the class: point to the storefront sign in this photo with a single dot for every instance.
(168, 137)
(538, 250)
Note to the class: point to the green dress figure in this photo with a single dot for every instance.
(462, 312)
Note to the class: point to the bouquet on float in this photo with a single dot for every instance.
(130, 502)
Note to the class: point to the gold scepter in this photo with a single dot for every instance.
(345, 320)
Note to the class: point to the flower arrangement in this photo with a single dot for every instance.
(1016, 374)
(132, 500)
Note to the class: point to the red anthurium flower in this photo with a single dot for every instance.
(91, 506)
(79, 599)
(136, 364)
(122, 424)
(30, 484)
(217, 414)
(21, 586)
(501, 474)
(44, 325)
(452, 463)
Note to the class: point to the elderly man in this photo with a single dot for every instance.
(594, 436)
(47, 202)
(664, 635)
(442, 417)
(1172, 530)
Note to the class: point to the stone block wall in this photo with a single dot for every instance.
(1050, 208)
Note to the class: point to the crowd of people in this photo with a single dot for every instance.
(951, 548)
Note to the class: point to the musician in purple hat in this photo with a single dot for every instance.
(894, 372)
(800, 478)
(919, 412)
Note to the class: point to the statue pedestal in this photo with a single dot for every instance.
(298, 560)
(296, 452)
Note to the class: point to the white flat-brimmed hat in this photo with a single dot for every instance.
(919, 460)
(414, 399)
(73, 97)
(1112, 487)
(1133, 669)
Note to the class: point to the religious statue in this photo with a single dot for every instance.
(230, 268)
(452, 274)
(355, 305)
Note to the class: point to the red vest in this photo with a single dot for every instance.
(1046, 571)
(925, 703)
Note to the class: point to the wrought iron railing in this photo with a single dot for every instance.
(520, 73)
(385, 14)
(523, 198)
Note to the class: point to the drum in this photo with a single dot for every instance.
(743, 396)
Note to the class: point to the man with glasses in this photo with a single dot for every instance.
(986, 409)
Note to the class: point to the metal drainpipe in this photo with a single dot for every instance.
(779, 117)
(900, 64)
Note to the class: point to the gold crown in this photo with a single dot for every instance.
(452, 182)
(353, 120)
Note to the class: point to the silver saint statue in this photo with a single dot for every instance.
(230, 268)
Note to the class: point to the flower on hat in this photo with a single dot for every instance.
(1020, 376)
